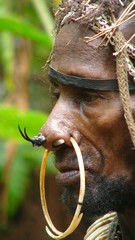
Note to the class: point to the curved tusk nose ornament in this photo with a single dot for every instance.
(36, 141)
(39, 140)
(51, 229)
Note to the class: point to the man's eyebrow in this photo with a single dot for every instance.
(78, 81)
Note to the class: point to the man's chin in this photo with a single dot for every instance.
(69, 196)
(101, 196)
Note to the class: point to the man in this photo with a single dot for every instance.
(86, 70)
(92, 111)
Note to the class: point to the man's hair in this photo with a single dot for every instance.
(84, 11)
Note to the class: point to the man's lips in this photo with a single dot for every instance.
(68, 169)
(68, 177)
(71, 175)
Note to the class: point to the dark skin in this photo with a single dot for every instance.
(96, 121)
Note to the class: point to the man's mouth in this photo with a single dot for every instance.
(68, 169)
(68, 176)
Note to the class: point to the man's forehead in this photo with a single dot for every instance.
(72, 55)
(82, 82)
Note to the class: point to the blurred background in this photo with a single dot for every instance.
(26, 40)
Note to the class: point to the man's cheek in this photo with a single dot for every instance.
(105, 124)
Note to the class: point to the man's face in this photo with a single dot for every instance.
(96, 120)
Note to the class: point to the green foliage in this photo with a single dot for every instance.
(26, 159)
(42, 8)
(20, 27)
(19, 180)
(31, 20)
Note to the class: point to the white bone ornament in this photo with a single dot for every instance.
(51, 229)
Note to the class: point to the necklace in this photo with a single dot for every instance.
(105, 228)
(117, 234)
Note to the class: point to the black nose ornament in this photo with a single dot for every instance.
(36, 141)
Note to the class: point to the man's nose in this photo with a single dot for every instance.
(59, 128)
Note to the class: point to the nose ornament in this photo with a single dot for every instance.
(36, 141)
(52, 231)
(58, 142)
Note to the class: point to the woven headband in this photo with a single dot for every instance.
(110, 84)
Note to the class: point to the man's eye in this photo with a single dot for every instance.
(87, 97)
(91, 97)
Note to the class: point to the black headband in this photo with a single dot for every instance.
(110, 84)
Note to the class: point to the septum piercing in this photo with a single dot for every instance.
(52, 231)
(58, 142)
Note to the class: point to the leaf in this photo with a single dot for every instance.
(34, 157)
(24, 29)
(26, 160)
(17, 185)
(45, 15)
(10, 117)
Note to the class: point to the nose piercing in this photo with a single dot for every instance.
(36, 141)
(58, 142)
